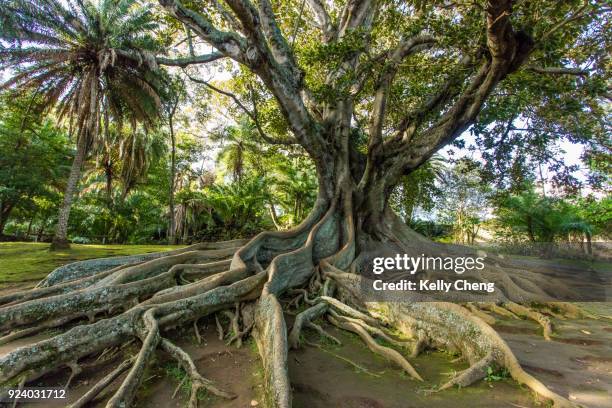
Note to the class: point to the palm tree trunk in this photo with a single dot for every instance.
(60, 240)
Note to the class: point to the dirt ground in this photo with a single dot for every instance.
(577, 363)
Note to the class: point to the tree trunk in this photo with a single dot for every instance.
(5, 211)
(589, 243)
(60, 239)
(273, 215)
(172, 230)
(108, 172)
(41, 230)
(29, 230)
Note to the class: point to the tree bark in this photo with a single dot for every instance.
(108, 172)
(60, 239)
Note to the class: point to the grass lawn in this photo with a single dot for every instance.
(31, 261)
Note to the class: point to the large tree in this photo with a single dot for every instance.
(371, 90)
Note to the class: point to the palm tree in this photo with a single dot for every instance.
(93, 62)
(124, 157)
(241, 151)
(418, 189)
(107, 161)
(295, 186)
(137, 152)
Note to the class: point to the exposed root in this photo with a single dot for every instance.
(36, 329)
(323, 333)
(236, 333)
(470, 375)
(233, 327)
(345, 359)
(421, 343)
(102, 384)
(271, 337)
(219, 328)
(196, 331)
(37, 293)
(178, 387)
(569, 310)
(197, 381)
(302, 319)
(75, 370)
(452, 327)
(19, 388)
(82, 301)
(386, 352)
(484, 316)
(349, 311)
(126, 392)
(248, 323)
(305, 297)
(198, 271)
(493, 307)
(533, 315)
(372, 330)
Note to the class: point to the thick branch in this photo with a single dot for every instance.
(356, 13)
(281, 50)
(175, 62)
(395, 57)
(268, 58)
(228, 43)
(252, 115)
(322, 19)
(559, 71)
(507, 51)
(185, 61)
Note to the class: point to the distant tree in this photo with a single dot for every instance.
(124, 161)
(542, 220)
(294, 186)
(240, 150)
(463, 200)
(176, 94)
(598, 213)
(32, 156)
(419, 190)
